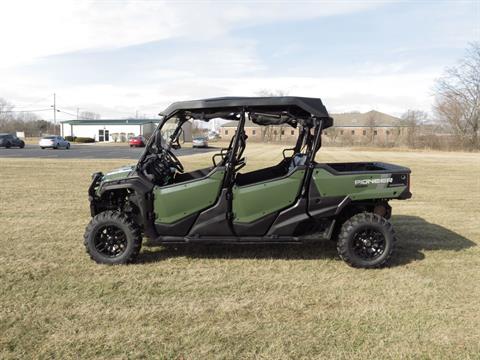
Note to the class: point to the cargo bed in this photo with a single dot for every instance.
(355, 168)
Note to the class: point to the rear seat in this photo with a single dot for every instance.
(297, 160)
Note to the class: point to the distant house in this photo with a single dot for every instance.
(355, 127)
(260, 133)
(372, 127)
(112, 130)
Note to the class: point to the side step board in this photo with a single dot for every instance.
(227, 239)
(235, 240)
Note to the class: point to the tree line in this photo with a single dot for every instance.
(456, 111)
(31, 124)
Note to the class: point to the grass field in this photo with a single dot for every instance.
(240, 302)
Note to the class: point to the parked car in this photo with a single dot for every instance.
(137, 141)
(212, 135)
(10, 140)
(54, 142)
(200, 142)
(297, 200)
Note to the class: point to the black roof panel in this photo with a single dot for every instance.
(302, 108)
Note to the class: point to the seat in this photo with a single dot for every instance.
(192, 175)
(297, 160)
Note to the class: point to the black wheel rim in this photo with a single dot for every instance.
(369, 244)
(110, 241)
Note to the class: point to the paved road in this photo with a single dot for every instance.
(88, 152)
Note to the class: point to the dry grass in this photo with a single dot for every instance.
(240, 302)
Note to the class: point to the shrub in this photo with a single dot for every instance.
(70, 138)
(84, 140)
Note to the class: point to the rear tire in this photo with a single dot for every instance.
(8, 145)
(22, 145)
(67, 147)
(366, 240)
(41, 147)
(112, 238)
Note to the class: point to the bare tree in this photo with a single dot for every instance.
(270, 132)
(458, 98)
(89, 115)
(348, 138)
(371, 123)
(334, 133)
(411, 121)
(28, 122)
(197, 129)
(5, 109)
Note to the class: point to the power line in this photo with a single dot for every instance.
(75, 115)
(20, 111)
(26, 106)
(65, 112)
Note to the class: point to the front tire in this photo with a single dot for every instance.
(22, 145)
(112, 238)
(366, 240)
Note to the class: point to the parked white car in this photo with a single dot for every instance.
(54, 142)
(213, 135)
(200, 141)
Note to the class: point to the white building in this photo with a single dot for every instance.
(109, 130)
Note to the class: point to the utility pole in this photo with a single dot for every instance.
(54, 114)
(78, 109)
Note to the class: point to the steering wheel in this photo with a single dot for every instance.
(170, 157)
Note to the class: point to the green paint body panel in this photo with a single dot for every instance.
(117, 174)
(329, 184)
(251, 202)
(174, 202)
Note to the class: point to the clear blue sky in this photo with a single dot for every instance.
(118, 57)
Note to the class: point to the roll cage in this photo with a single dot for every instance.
(308, 114)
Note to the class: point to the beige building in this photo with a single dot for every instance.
(372, 127)
(354, 128)
(260, 133)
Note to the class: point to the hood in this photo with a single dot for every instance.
(119, 173)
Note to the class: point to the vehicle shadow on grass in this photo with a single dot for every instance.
(414, 234)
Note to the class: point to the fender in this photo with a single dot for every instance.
(142, 198)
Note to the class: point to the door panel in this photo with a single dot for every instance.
(177, 201)
(252, 202)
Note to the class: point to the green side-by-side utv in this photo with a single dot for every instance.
(295, 201)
